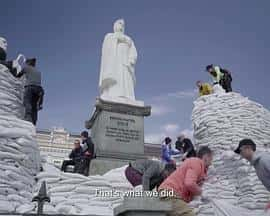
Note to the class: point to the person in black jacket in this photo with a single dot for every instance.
(184, 145)
(75, 156)
(88, 151)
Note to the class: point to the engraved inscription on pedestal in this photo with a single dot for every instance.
(118, 133)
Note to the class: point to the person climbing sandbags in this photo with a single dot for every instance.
(220, 77)
(33, 94)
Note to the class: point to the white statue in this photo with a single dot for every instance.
(117, 72)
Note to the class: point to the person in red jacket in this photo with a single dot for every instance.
(185, 183)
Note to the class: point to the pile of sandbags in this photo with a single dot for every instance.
(220, 121)
(19, 153)
(11, 92)
(252, 194)
(77, 194)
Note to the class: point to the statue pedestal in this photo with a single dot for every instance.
(117, 131)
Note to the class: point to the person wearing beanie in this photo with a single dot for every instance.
(259, 160)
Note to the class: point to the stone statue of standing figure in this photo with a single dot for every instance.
(117, 72)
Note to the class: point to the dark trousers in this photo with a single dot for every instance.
(86, 166)
(33, 99)
(133, 176)
(75, 163)
(67, 163)
(226, 84)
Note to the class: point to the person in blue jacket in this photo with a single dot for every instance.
(165, 151)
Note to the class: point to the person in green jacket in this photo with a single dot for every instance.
(220, 77)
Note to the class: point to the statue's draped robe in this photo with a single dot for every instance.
(117, 73)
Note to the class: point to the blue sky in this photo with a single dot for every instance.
(174, 39)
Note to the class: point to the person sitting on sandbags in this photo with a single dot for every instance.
(76, 157)
(220, 77)
(204, 88)
(149, 173)
(15, 66)
(33, 91)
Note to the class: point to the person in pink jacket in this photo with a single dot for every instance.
(185, 183)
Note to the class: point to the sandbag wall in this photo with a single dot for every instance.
(19, 153)
(77, 194)
(220, 121)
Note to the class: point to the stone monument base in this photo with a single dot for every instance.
(100, 166)
(117, 130)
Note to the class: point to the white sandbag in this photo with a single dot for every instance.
(65, 209)
(26, 208)
(49, 209)
(86, 190)
(46, 175)
(222, 208)
(72, 181)
(66, 175)
(55, 200)
(6, 207)
(100, 183)
(62, 188)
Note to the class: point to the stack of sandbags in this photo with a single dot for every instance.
(214, 188)
(19, 154)
(220, 121)
(11, 91)
(252, 194)
(77, 194)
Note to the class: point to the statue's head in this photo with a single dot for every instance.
(119, 26)
(3, 43)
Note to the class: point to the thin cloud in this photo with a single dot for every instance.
(191, 93)
(171, 128)
(160, 110)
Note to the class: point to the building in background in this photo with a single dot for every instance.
(56, 144)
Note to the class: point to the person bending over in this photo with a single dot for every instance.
(149, 173)
(259, 160)
(185, 182)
